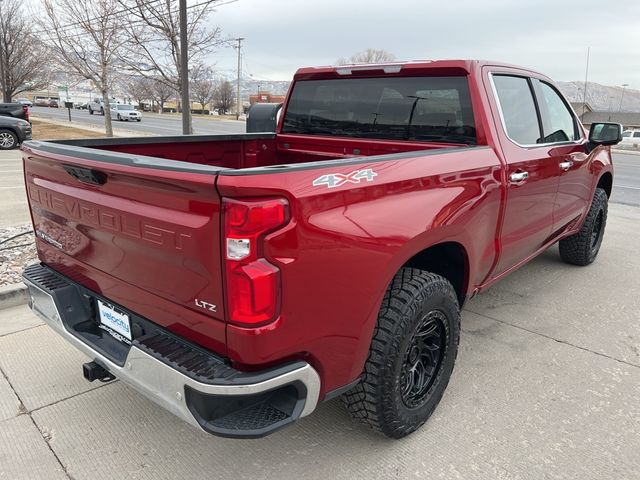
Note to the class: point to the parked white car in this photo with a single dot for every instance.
(631, 138)
(126, 112)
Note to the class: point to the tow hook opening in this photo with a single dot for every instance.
(94, 371)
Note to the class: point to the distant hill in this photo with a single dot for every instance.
(602, 98)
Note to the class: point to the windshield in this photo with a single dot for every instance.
(396, 108)
(125, 107)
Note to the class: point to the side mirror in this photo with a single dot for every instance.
(604, 134)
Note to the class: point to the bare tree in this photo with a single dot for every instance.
(203, 86)
(21, 67)
(161, 92)
(139, 88)
(370, 55)
(223, 96)
(154, 49)
(86, 36)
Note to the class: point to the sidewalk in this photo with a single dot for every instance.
(547, 385)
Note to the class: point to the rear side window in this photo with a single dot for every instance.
(434, 109)
(559, 125)
(518, 109)
(636, 134)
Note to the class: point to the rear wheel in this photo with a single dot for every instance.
(90, 112)
(101, 111)
(8, 140)
(119, 118)
(412, 354)
(583, 247)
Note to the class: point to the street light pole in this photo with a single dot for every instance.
(624, 85)
(184, 70)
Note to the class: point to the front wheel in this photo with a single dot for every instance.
(412, 354)
(8, 140)
(119, 118)
(139, 119)
(583, 247)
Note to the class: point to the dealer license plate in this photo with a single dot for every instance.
(117, 323)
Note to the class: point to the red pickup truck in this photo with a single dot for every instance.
(238, 280)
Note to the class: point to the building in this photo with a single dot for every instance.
(581, 109)
(266, 97)
(630, 120)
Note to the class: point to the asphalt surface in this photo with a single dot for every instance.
(546, 386)
(626, 178)
(165, 124)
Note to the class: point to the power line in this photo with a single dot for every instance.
(88, 20)
(135, 22)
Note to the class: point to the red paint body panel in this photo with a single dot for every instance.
(150, 238)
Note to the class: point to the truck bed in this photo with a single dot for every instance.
(236, 152)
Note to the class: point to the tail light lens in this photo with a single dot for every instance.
(252, 282)
(26, 112)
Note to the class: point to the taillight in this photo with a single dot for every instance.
(252, 282)
(26, 112)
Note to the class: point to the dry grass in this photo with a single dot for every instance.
(51, 131)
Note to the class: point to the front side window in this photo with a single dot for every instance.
(436, 109)
(636, 134)
(518, 109)
(560, 126)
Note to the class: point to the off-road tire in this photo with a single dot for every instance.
(583, 247)
(8, 139)
(378, 399)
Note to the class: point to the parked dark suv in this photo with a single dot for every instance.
(13, 131)
(15, 110)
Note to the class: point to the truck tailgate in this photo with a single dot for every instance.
(123, 225)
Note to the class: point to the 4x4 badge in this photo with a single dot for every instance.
(333, 180)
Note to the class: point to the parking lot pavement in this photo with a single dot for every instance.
(547, 385)
(13, 205)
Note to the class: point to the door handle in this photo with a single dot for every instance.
(566, 165)
(516, 177)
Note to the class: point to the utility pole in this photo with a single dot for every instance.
(184, 71)
(238, 106)
(586, 77)
(624, 85)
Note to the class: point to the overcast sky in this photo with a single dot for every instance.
(551, 36)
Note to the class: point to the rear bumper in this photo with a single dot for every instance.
(192, 383)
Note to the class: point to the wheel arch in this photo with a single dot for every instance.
(606, 183)
(448, 259)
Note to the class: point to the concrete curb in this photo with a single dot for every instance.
(628, 151)
(13, 295)
(117, 132)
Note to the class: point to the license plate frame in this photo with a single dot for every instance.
(114, 321)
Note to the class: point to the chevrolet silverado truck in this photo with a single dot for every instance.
(239, 280)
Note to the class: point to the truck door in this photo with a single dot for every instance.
(567, 141)
(532, 173)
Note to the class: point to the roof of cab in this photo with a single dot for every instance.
(401, 66)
